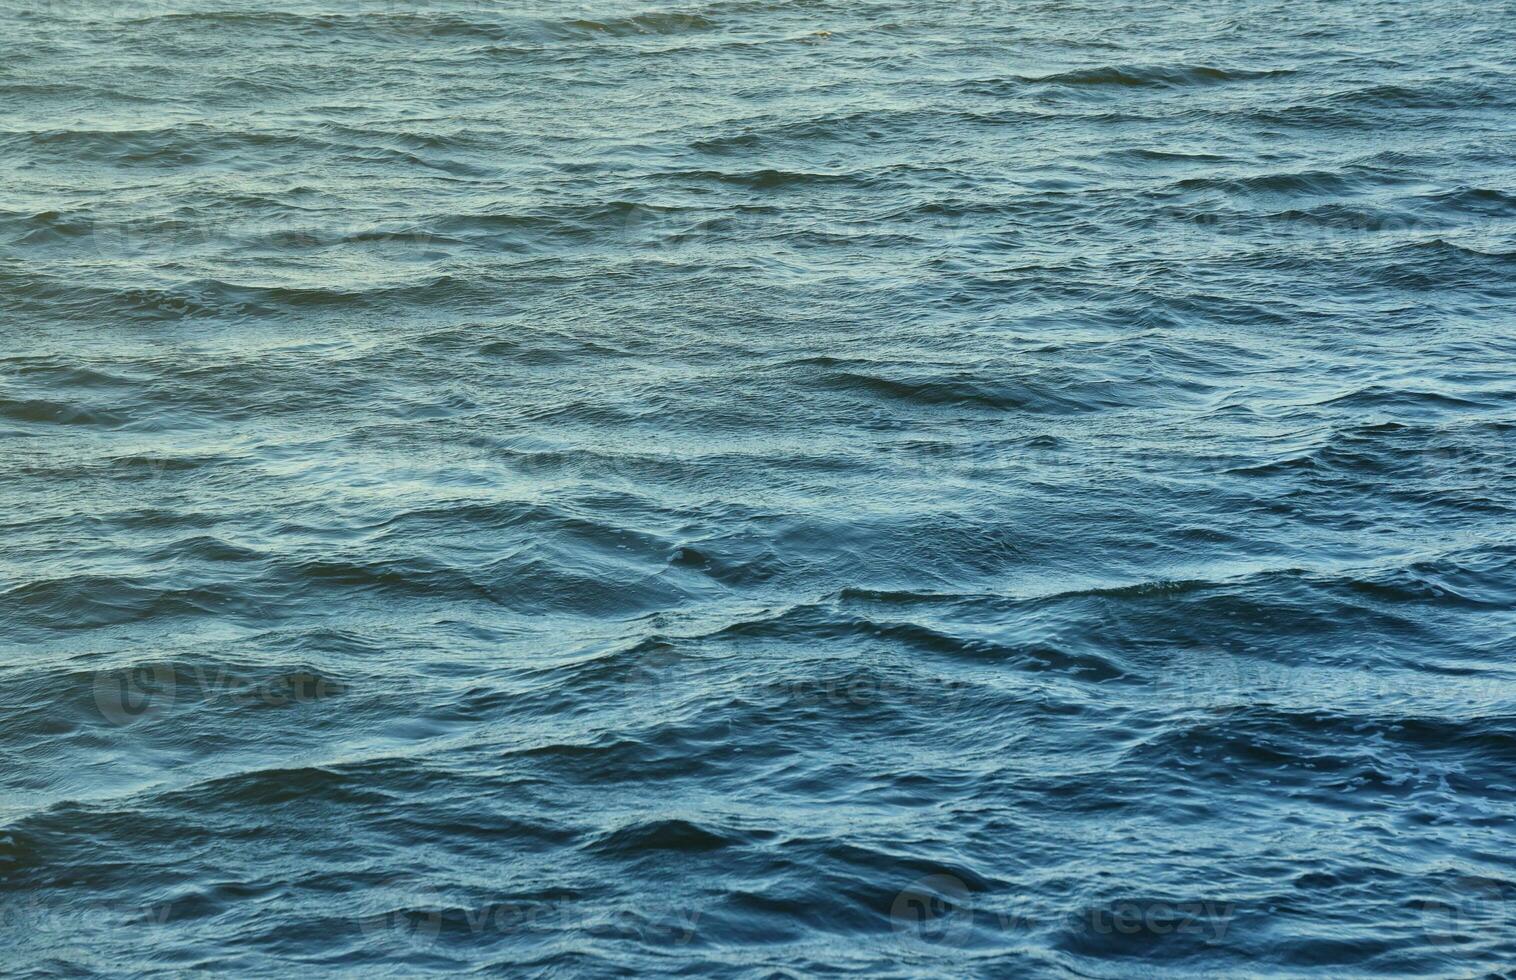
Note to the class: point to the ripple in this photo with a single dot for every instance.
(755, 487)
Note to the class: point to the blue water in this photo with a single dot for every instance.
(755, 488)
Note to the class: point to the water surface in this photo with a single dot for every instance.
(757, 488)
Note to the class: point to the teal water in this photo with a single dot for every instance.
(755, 488)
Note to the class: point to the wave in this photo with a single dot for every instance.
(1135, 76)
(788, 487)
(661, 23)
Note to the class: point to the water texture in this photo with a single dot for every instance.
(756, 488)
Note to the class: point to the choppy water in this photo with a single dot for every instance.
(758, 488)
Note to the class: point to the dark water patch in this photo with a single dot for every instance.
(1152, 76)
(662, 835)
(57, 413)
(1040, 399)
